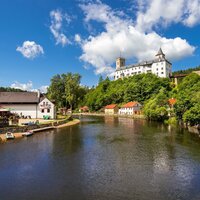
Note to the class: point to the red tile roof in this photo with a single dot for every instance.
(172, 101)
(130, 104)
(111, 106)
(84, 108)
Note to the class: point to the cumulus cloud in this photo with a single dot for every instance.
(121, 34)
(158, 13)
(30, 49)
(57, 18)
(28, 86)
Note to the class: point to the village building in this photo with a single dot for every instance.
(28, 104)
(131, 108)
(159, 66)
(84, 109)
(111, 109)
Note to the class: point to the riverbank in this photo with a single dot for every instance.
(40, 130)
(115, 115)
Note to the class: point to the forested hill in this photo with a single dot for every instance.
(136, 88)
(9, 89)
(186, 71)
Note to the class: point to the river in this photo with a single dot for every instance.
(102, 158)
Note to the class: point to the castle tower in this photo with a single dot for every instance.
(160, 55)
(120, 62)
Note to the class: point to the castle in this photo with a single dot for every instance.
(159, 66)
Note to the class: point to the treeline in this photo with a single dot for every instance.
(136, 88)
(186, 71)
(66, 91)
(9, 89)
(187, 106)
(148, 89)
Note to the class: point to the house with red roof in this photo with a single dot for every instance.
(84, 109)
(111, 109)
(171, 102)
(130, 108)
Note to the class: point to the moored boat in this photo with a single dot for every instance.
(9, 135)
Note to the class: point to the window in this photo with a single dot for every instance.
(157, 69)
(46, 103)
(48, 110)
(162, 72)
(162, 68)
(43, 103)
(42, 111)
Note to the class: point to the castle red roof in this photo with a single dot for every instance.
(111, 106)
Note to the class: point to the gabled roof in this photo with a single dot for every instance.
(172, 101)
(84, 108)
(19, 97)
(130, 104)
(111, 106)
(160, 52)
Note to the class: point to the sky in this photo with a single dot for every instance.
(42, 38)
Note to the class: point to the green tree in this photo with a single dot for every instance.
(156, 108)
(192, 116)
(72, 86)
(56, 90)
(188, 96)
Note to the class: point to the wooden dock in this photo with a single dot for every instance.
(43, 129)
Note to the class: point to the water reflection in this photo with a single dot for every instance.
(153, 162)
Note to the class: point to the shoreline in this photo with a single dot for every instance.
(19, 135)
(107, 115)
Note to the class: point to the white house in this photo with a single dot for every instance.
(159, 66)
(131, 108)
(28, 104)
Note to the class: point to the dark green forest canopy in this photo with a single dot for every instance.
(186, 71)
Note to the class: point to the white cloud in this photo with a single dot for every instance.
(43, 88)
(122, 35)
(23, 86)
(162, 13)
(193, 13)
(28, 86)
(30, 49)
(77, 38)
(57, 18)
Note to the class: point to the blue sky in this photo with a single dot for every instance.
(41, 38)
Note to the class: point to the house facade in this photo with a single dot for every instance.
(27, 104)
(131, 108)
(111, 109)
(159, 66)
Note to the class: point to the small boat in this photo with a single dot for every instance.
(28, 133)
(10, 135)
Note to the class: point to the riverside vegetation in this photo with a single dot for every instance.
(148, 89)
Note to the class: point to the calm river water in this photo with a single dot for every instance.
(103, 158)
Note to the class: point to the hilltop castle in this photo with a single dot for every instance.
(159, 66)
